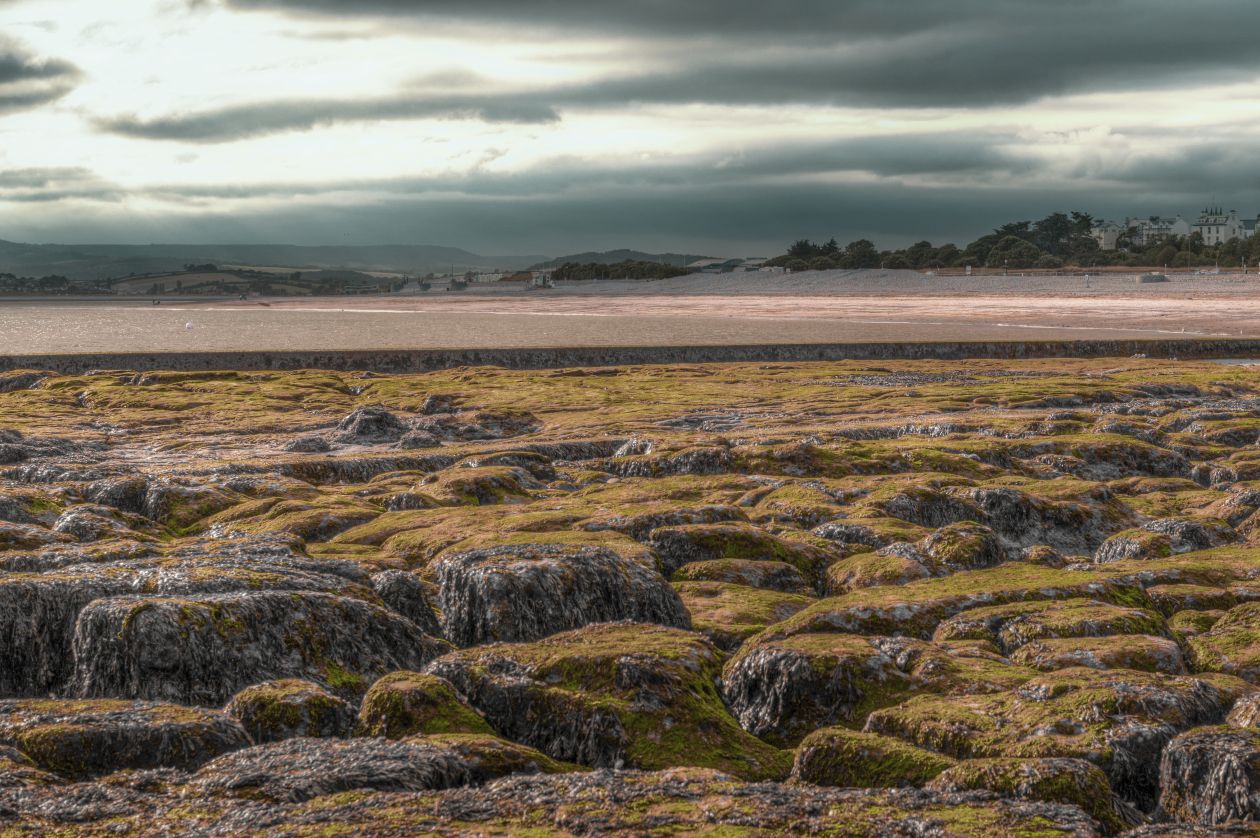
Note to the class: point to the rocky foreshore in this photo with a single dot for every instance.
(904, 598)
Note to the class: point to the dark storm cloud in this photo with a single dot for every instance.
(50, 185)
(847, 53)
(27, 81)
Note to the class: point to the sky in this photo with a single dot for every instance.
(726, 127)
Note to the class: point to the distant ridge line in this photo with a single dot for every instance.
(422, 360)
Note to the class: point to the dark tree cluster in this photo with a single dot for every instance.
(27, 284)
(628, 269)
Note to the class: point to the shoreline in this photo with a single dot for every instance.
(423, 360)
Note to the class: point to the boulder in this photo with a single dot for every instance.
(371, 424)
(290, 708)
(1118, 720)
(407, 703)
(202, 650)
(1050, 780)
(1211, 776)
(295, 770)
(1231, 645)
(961, 546)
(1126, 651)
(1011, 626)
(407, 595)
(838, 756)
(79, 739)
(613, 694)
(525, 592)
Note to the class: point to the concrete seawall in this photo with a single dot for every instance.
(420, 360)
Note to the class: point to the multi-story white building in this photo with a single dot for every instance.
(1144, 232)
(1217, 226)
(1107, 234)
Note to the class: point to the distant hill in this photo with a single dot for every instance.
(111, 261)
(613, 257)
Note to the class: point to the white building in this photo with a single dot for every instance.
(1107, 234)
(1144, 232)
(1217, 226)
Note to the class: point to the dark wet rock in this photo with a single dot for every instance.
(1211, 776)
(1022, 519)
(295, 770)
(91, 738)
(11, 382)
(308, 445)
(407, 703)
(931, 508)
(290, 708)
(370, 424)
(1050, 780)
(771, 576)
(612, 694)
(838, 756)
(126, 493)
(202, 650)
(1119, 720)
(406, 594)
(528, 591)
(37, 619)
(699, 460)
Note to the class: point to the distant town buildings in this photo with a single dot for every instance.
(1214, 224)
(727, 266)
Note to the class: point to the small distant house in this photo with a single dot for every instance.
(1144, 232)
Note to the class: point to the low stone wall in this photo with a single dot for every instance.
(420, 360)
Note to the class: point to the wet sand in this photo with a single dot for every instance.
(685, 312)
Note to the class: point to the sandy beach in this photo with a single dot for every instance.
(838, 306)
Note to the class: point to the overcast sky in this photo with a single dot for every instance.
(552, 126)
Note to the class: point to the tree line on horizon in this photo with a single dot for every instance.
(1059, 240)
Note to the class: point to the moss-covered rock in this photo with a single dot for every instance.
(962, 546)
(620, 693)
(1011, 626)
(838, 756)
(1125, 651)
(202, 650)
(729, 614)
(79, 739)
(1169, 599)
(295, 770)
(770, 576)
(1232, 645)
(1191, 623)
(1118, 720)
(682, 545)
(285, 709)
(867, 570)
(488, 757)
(18, 772)
(782, 690)
(528, 591)
(1051, 780)
(407, 703)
